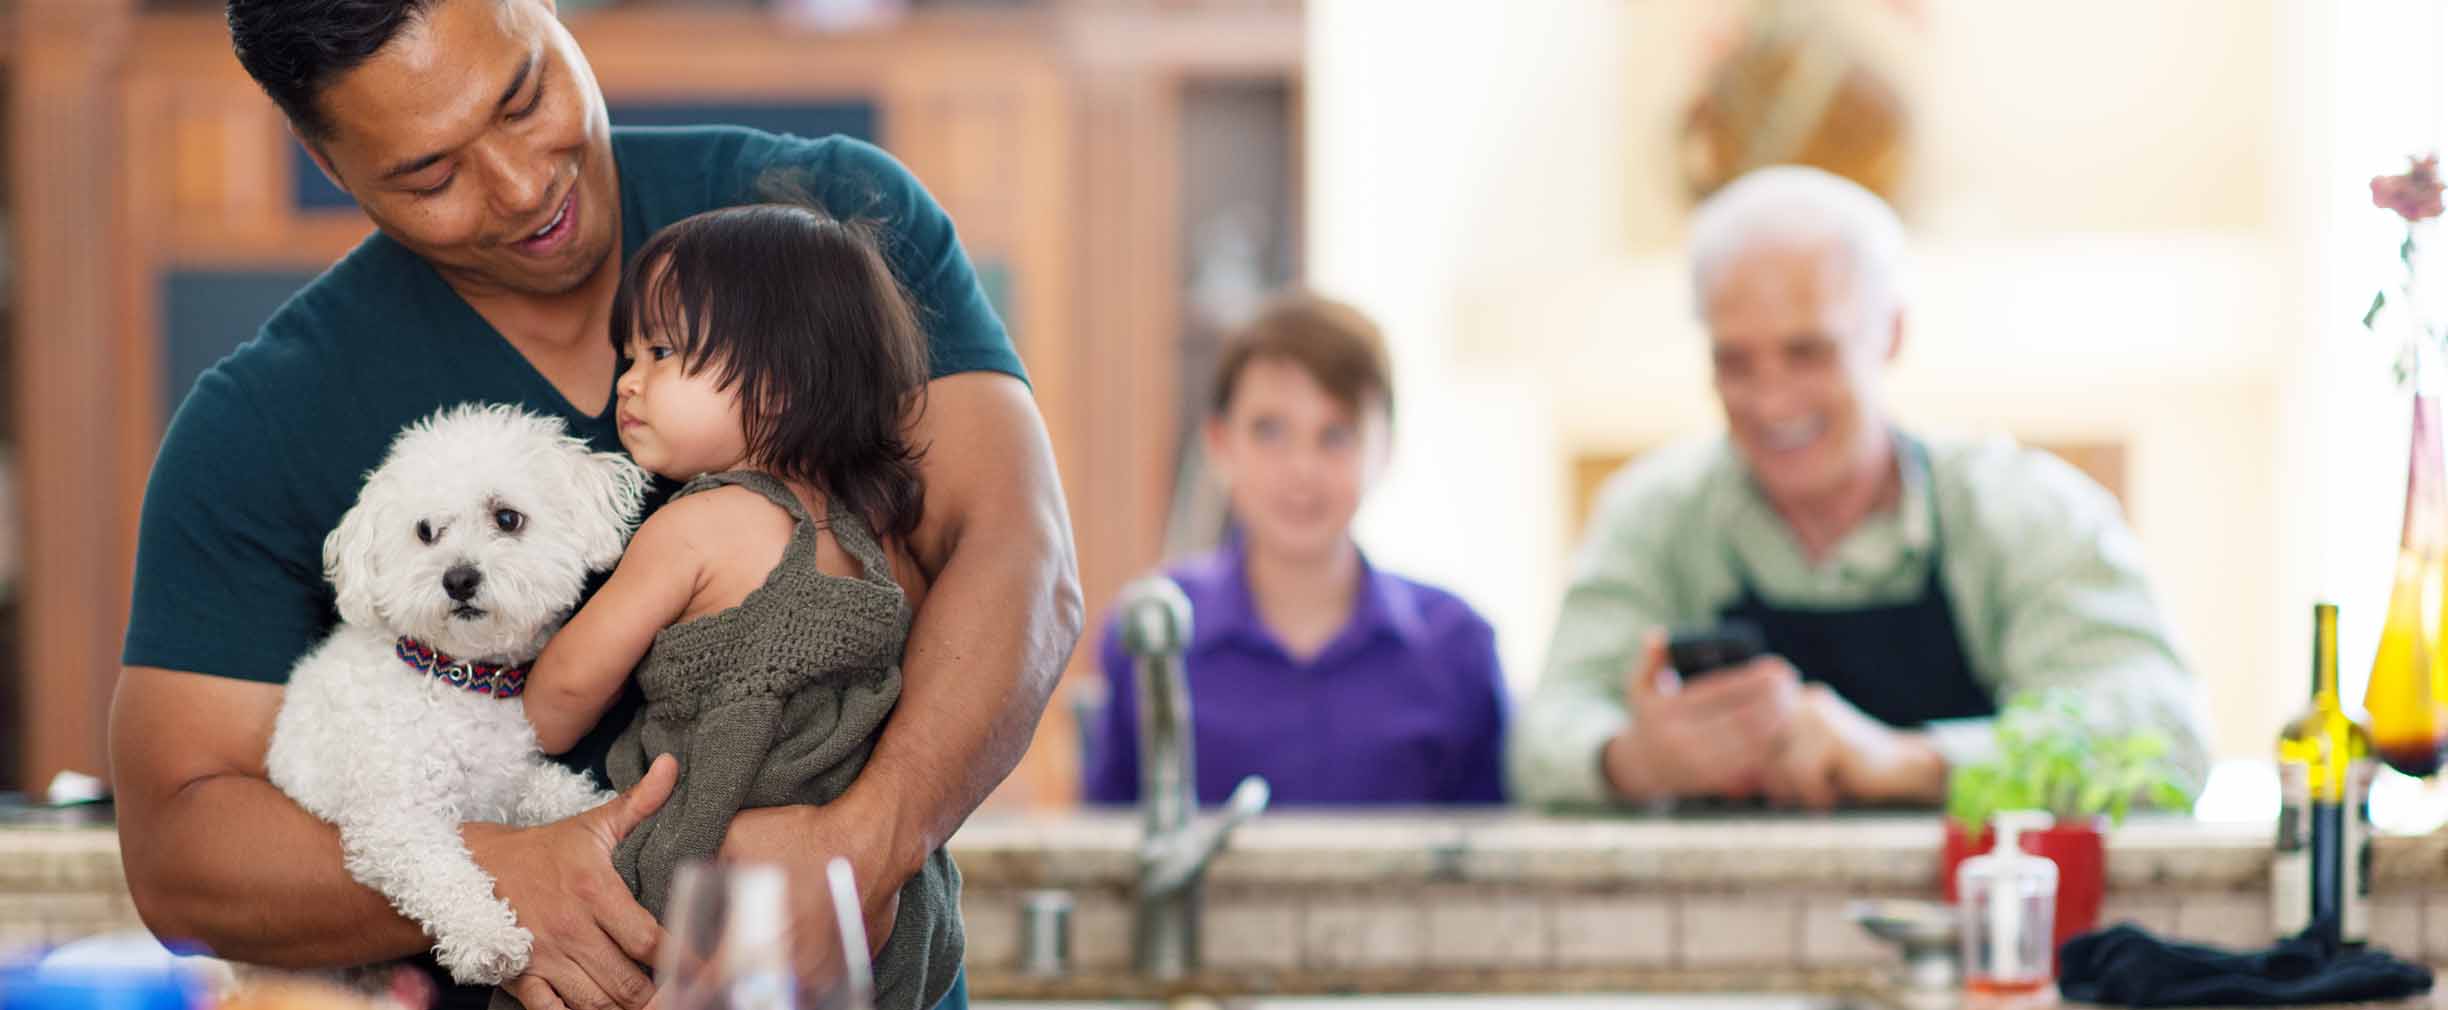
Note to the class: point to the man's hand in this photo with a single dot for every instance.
(802, 839)
(1712, 736)
(1833, 752)
(593, 943)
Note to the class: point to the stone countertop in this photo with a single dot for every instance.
(1097, 848)
(1856, 988)
(1856, 983)
(1744, 904)
(1887, 851)
(1419, 853)
(36, 859)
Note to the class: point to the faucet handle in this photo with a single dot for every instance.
(1249, 799)
(1155, 617)
(1171, 861)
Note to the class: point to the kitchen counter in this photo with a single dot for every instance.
(1508, 848)
(1491, 902)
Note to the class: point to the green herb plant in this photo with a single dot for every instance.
(2054, 754)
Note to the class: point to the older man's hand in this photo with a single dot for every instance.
(1712, 736)
(1832, 752)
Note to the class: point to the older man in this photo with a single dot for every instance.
(1903, 587)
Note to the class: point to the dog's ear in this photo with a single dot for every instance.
(348, 560)
(608, 490)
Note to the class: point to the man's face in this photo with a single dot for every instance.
(478, 139)
(1799, 360)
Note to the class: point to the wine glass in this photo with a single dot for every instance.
(729, 944)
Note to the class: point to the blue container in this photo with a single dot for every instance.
(82, 987)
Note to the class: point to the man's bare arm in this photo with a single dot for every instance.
(213, 851)
(1000, 617)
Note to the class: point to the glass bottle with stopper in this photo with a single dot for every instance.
(2006, 900)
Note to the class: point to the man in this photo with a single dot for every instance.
(474, 135)
(1904, 588)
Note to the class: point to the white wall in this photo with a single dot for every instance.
(1448, 144)
(2122, 234)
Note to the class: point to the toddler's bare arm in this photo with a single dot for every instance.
(588, 660)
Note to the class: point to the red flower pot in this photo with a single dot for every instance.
(2082, 871)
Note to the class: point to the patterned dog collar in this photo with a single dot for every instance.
(490, 679)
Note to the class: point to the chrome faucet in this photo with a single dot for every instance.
(1173, 851)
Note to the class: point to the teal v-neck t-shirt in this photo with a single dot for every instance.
(273, 442)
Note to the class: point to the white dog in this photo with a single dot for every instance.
(466, 549)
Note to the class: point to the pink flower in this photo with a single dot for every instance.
(2415, 196)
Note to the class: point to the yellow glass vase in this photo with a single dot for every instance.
(2408, 692)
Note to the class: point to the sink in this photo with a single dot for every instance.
(1591, 1001)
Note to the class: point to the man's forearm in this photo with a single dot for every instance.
(988, 646)
(231, 863)
(1000, 615)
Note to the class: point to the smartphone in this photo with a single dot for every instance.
(1697, 652)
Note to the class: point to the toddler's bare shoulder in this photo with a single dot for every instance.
(721, 527)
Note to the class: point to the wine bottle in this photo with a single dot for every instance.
(2320, 873)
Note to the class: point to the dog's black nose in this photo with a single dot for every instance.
(461, 582)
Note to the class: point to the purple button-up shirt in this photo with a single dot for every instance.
(1405, 705)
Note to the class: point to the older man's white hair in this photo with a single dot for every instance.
(1795, 206)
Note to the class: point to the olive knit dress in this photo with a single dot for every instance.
(778, 701)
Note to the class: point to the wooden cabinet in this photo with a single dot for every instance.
(67, 374)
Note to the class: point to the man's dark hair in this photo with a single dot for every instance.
(800, 313)
(295, 48)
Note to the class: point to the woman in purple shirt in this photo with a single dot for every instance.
(1344, 685)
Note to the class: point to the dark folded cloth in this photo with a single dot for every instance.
(2125, 966)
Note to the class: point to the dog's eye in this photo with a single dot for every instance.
(509, 520)
(425, 531)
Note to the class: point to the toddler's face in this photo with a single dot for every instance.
(674, 423)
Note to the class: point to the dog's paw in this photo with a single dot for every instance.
(556, 793)
(488, 957)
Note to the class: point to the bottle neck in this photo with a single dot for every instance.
(2324, 657)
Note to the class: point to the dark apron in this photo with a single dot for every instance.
(1902, 664)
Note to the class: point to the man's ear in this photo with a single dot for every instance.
(1895, 336)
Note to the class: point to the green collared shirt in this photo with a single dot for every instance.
(2044, 579)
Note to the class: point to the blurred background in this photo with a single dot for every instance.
(2142, 236)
